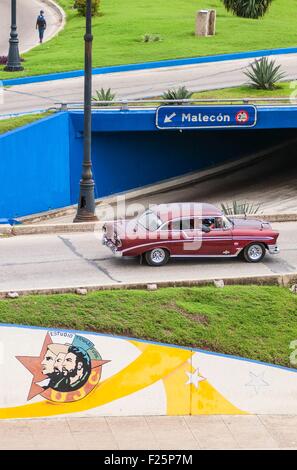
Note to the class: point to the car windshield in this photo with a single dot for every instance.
(150, 221)
(227, 222)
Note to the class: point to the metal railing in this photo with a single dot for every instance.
(155, 103)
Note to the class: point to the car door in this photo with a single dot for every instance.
(192, 236)
(217, 237)
(177, 236)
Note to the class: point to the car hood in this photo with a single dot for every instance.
(252, 224)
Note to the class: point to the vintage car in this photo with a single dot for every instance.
(189, 230)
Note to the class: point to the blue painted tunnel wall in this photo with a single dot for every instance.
(34, 167)
(40, 164)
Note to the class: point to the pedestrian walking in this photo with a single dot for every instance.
(41, 25)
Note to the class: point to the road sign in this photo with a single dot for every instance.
(202, 117)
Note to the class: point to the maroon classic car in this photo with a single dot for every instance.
(189, 230)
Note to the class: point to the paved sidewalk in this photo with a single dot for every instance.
(27, 11)
(149, 433)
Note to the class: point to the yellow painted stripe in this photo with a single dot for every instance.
(206, 400)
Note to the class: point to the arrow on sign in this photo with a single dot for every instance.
(169, 118)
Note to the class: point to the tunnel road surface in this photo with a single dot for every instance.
(64, 260)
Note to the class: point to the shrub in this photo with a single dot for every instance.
(151, 38)
(181, 93)
(240, 208)
(80, 5)
(253, 9)
(4, 58)
(104, 95)
(264, 74)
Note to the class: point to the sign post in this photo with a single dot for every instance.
(205, 117)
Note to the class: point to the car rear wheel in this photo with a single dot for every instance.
(157, 257)
(254, 253)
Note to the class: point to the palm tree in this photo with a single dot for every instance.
(253, 9)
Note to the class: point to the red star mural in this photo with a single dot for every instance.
(34, 365)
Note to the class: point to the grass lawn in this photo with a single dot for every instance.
(118, 31)
(254, 322)
(283, 90)
(13, 123)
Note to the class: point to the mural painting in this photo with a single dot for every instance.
(64, 371)
(51, 373)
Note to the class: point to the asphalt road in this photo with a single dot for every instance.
(136, 84)
(27, 11)
(64, 260)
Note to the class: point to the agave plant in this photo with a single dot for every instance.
(253, 9)
(151, 38)
(235, 208)
(181, 93)
(103, 95)
(264, 74)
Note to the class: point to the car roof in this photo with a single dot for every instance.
(185, 209)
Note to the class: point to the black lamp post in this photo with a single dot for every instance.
(86, 203)
(13, 61)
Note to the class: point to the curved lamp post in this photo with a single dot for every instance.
(13, 61)
(86, 203)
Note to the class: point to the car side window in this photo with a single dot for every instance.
(178, 225)
(213, 223)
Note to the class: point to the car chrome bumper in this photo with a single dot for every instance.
(273, 249)
(111, 245)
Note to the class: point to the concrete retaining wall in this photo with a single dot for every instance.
(116, 376)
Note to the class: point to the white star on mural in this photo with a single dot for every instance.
(257, 381)
(194, 378)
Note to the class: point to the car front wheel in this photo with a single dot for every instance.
(254, 253)
(157, 257)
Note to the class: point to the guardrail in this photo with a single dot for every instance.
(125, 104)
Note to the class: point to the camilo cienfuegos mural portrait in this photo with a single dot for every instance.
(67, 369)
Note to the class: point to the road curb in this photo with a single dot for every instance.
(281, 280)
(48, 229)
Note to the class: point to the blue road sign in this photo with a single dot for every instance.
(201, 117)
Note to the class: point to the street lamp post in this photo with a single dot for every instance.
(86, 203)
(13, 61)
